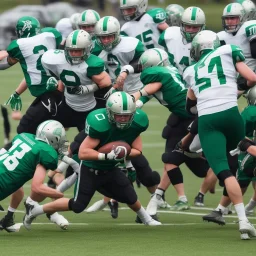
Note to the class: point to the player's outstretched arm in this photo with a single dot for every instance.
(247, 73)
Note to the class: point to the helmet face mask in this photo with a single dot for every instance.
(174, 13)
(139, 6)
(78, 40)
(27, 26)
(121, 109)
(52, 132)
(87, 21)
(204, 40)
(233, 17)
(192, 17)
(107, 28)
(154, 57)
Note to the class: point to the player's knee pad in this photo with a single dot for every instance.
(150, 180)
(175, 176)
(224, 175)
(76, 206)
(166, 132)
(69, 172)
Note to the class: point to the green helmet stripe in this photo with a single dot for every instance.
(105, 23)
(125, 102)
(84, 15)
(74, 37)
(158, 53)
(124, 1)
(193, 15)
(229, 8)
(97, 16)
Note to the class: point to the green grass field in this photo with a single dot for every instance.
(183, 233)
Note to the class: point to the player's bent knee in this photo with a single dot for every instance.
(223, 175)
(150, 180)
(75, 206)
(166, 132)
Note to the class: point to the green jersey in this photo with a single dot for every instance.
(249, 118)
(98, 127)
(18, 164)
(172, 93)
(29, 52)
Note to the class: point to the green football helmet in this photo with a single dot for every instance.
(174, 13)
(27, 26)
(250, 10)
(52, 132)
(192, 16)
(251, 96)
(204, 40)
(154, 57)
(233, 10)
(139, 5)
(121, 104)
(88, 18)
(108, 26)
(78, 40)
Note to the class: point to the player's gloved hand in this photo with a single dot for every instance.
(139, 104)
(244, 144)
(63, 150)
(77, 90)
(111, 90)
(14, 101)
(52, 84)
(114, 154)
(178, 148)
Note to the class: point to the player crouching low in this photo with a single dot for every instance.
(119, 121)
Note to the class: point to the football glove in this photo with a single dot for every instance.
(244, 144)
(113, 154)
(52, 84)
(14, 101)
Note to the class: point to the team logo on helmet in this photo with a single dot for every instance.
(57, 132)
(27, 25)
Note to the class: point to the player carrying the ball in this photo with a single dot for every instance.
(119, 121)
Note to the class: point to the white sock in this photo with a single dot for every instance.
(250, 205)
(183, 199)
(159, 192)
(143, 215)
(37, 210)
(220, 208)
(10, 209)
(240, 211)
(30, 201)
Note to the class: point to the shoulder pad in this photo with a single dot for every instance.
(157, 14)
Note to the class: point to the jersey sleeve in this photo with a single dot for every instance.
(237, 54)
(49, 158)
(188, 76)
(139, 50)
(56, 33)
(14, 50)
(122, 33)
(158, 15)
(47, 63)
(95, 66)
(96, 50)
(250, 31)
(150, 75)
(141, 120)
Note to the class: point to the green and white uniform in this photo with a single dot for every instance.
(64, 26)
(98, 127)
(176, 47)
(54, 62)
(213, 80)
(29, 52)
(172, 93)
(145, 28)
(246, 160)
(242, 39)
(127, 51)
(18, 164)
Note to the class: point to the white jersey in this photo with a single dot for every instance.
(145, 29)
(128, 50)
(242, 39)
(177, 48)
(213, 79)
(54, 61)
(64, 26)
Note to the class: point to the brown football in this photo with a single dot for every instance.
(112, 145)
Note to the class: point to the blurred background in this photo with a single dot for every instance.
(49, 12)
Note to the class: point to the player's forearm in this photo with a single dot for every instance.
(22, 87)
(252, 150)
(88, 154)
(102, 80)
(134, 152)
(47, 191)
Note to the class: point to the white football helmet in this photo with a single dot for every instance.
(121, 103)
(192, 16)
(154, 57)
(78, 40)
(52, 132)
(233, 10)
(107, 26)
(139, 5)
(250, 10)
(204, 40)
(88, 18)
(174, 13)
(251, 96)
(73, 19)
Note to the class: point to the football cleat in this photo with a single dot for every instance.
(97, 206)
(59, 220)
(199, 201)
(139, 221)
(153, 222)
(28, 218)
(8, 224)
(216, 217)
(245, 227)
(114, 209)
(180, 206)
